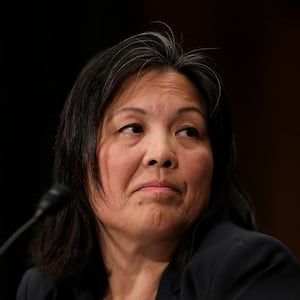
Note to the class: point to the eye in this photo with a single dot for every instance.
(132, 129)
(188, 131)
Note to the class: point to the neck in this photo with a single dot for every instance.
(134, 267)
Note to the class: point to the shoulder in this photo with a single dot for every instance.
(34, 285)
(234, 262)
(226, 237)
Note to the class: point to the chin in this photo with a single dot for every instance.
(162, 226)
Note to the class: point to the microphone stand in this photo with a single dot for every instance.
(20, 231)
(50, 202)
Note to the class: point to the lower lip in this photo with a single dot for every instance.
(157, 189)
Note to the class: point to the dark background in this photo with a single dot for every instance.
(45, 44)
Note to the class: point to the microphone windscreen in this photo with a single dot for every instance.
(54, 199)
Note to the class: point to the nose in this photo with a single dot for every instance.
(160, 153)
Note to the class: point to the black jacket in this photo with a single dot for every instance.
(229, 263)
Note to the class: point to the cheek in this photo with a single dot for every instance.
(198, 172)
(199, 168)
(116, 168)
(109, 165)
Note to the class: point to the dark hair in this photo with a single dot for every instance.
(67, 245)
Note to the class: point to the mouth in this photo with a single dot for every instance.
(159, 186)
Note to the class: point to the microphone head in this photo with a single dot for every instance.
(54, 199)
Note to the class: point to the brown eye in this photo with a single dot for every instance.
(188, 131)
(132, 129)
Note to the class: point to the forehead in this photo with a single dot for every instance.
(156, 84)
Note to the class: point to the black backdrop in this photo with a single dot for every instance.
(45, 44)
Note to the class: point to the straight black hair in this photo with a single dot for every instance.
(66, 246)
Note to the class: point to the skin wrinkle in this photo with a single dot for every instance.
(140, 225)
(146, 184)
(133, 88)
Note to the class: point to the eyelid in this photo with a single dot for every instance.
(131, 125)
(194, 129)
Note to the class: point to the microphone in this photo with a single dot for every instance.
(54, 199)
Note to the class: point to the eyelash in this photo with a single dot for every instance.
(193, 130)
(135, 128)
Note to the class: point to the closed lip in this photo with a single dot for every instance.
(159, 184)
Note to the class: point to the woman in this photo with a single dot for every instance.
(145, 144)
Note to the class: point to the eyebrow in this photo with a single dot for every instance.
(191, 109)
(128, 109)
(142, 111)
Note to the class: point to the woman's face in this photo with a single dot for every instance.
(154, 157)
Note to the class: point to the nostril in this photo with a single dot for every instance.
(152, 162)
(167, 164)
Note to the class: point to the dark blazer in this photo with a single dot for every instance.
(229, 263)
